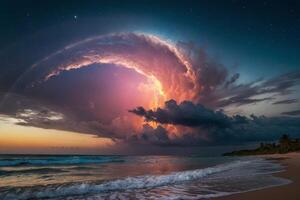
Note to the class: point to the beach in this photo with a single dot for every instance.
(286, 192)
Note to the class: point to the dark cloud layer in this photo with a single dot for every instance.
(286, 101)
(292, 113)
(270, 88)
(216, 126)
(185, 114)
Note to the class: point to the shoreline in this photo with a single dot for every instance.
(291, 191)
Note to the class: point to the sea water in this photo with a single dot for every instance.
(24, 177)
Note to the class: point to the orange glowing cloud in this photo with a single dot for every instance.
(168, 72)
(167, 69)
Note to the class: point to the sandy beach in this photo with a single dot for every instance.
(286, 192)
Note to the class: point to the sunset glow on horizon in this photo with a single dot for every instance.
(22, 139)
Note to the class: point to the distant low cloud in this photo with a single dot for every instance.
(291, 113)
(286, 101)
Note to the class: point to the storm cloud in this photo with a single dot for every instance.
(215, 127)
(84, 88)
(186, 114)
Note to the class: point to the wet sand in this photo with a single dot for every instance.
(286, 192)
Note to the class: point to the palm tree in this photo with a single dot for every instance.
(284, 143)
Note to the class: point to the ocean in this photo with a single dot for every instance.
(49, 177)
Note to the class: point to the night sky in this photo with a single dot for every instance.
(165, 74)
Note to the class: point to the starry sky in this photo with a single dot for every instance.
(170, 75)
